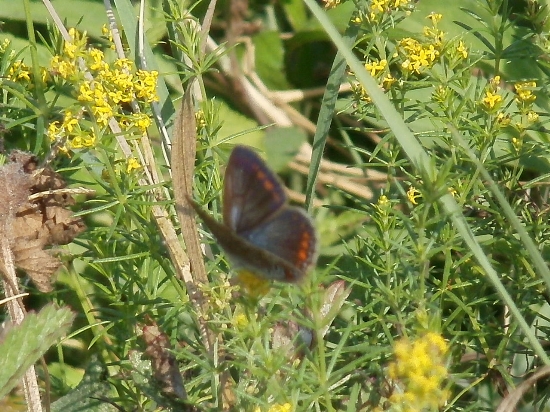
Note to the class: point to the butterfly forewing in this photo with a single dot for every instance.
(290, 235)
(252, 193)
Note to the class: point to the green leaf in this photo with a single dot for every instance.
(282, 144)
(296, 13)
(270, 59)
(27, 342)
(90, 395)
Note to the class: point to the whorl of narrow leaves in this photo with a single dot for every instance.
(26, 343)
(29, 226)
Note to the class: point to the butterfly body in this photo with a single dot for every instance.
(260, 232)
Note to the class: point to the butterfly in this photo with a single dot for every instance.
(261, 233)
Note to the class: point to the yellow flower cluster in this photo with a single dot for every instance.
(132, 164)
(378, 70)
(525, 98)
(103, 94)
(420, 368)
(461, 49)
(379, 8)
(492, 102)
(70, 132)
(492, 98)
(524, 92)
(19, 71)
(413, 56)
(418, 56)
(285, 407)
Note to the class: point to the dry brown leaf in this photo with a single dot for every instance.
(30, 226)
(36, 262)
(163, 362)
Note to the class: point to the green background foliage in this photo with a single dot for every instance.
(431, 206)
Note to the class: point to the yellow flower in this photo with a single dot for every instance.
(76, 46)
(413, 194)
(378, 6)
(376, 67)
(82, 139)
(383, 206)
(434, 17)
(86, 92)
(440, 94)
(97, 59)
(19, 71)
(62, 68)
(69, 122)
(200, 119)
(491, 100)
(240, 321)
(383, 200)
(116, 96)
(90, 139)
(102, 113)
(54, 131)
(430, 53)
(417, 56)
(4, 45)
(141, 121)
(286, 407)
(132, 164)
(462, 49)
(70, 50)
(437, 342)
(388, 81)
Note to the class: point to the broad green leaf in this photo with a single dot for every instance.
(27, 342)
(92, 393)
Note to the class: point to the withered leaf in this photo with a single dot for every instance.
(36, 262)
(163, 362)
(30, 226)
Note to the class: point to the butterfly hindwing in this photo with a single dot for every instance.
(245, 255)
(289, 234)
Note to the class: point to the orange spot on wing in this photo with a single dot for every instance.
(304, 251)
